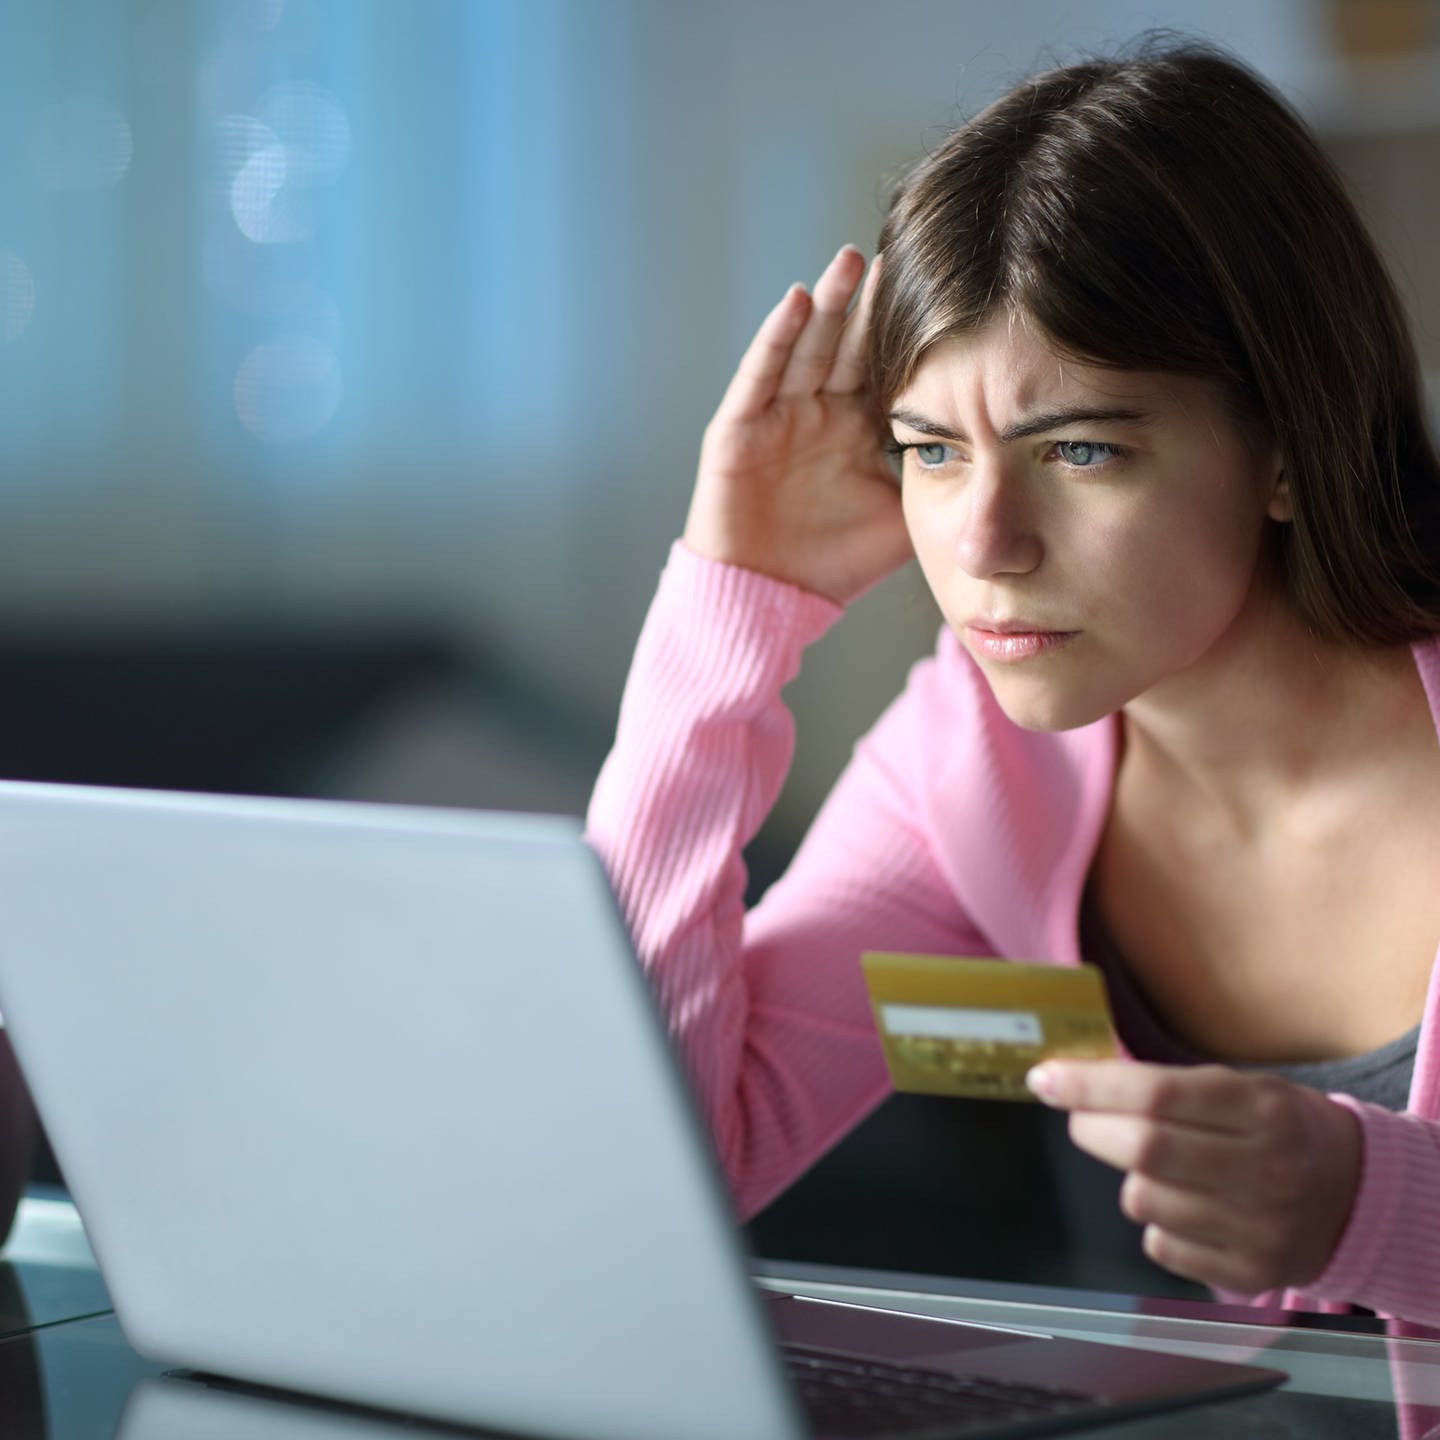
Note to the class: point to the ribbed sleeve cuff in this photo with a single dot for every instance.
(1388, 1257)
(717, 633)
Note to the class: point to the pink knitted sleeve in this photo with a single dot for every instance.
(768, 1010)
(1388, 1258)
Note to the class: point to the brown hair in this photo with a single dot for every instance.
(1167, 211)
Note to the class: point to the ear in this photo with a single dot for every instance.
(1279, 506)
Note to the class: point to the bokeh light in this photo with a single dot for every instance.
(314, 128)
(261, 208)
(274, 162)
(288, 389)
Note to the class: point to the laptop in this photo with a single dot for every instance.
(373, 1103)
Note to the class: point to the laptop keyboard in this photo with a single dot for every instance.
(845, 1396)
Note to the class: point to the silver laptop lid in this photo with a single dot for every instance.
(373, 1102)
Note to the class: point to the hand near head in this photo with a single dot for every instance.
(793, 481)
(1242, 1181)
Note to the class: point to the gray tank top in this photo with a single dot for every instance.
(1381, 1076)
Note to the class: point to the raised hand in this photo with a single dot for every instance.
(793, 481)
(1242, 1181)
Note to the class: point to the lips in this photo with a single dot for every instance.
(1008, 640)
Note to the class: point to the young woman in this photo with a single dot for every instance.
(1163, 462)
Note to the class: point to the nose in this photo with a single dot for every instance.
(996, 533)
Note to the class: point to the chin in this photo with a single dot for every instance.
(1050, 708)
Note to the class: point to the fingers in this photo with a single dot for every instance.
(1148, 1201)
(1241, 1180)
(1198, 1159)
(1215, 1265)
(848, 373)
(814, 354)
(794, 352)
(1194, 1194)
(757, 377)
(1204, 1096)
(1216, 1244)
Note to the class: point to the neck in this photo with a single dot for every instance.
(1255, 725)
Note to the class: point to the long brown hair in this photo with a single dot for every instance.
(1167, 211)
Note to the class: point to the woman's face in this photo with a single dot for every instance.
(1091, 535)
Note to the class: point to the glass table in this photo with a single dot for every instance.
(66, 1372)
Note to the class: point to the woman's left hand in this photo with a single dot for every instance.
(1242, 1181)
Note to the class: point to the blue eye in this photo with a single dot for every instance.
(931, 455)
(1085, 454)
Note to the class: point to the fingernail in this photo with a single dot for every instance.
(1040, 1081)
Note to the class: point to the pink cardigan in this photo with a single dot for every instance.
(952, 831)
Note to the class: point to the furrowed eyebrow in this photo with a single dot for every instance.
(1034, 425)
(911, 421)
(1075, 415)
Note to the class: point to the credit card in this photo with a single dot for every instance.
(957, 1026)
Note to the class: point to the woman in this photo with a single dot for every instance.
(1163, 462)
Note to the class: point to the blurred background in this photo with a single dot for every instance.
(354, 354)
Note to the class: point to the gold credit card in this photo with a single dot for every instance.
(955, 1026)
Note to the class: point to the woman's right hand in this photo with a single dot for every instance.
(793, 480)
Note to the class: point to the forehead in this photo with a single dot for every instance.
(1010, 369)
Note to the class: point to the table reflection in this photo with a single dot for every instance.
(180, 1408)
(64, 1378)
(81, 1381)
(22, 1397)
(172, 1407)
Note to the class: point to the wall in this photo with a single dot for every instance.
(369, 316)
